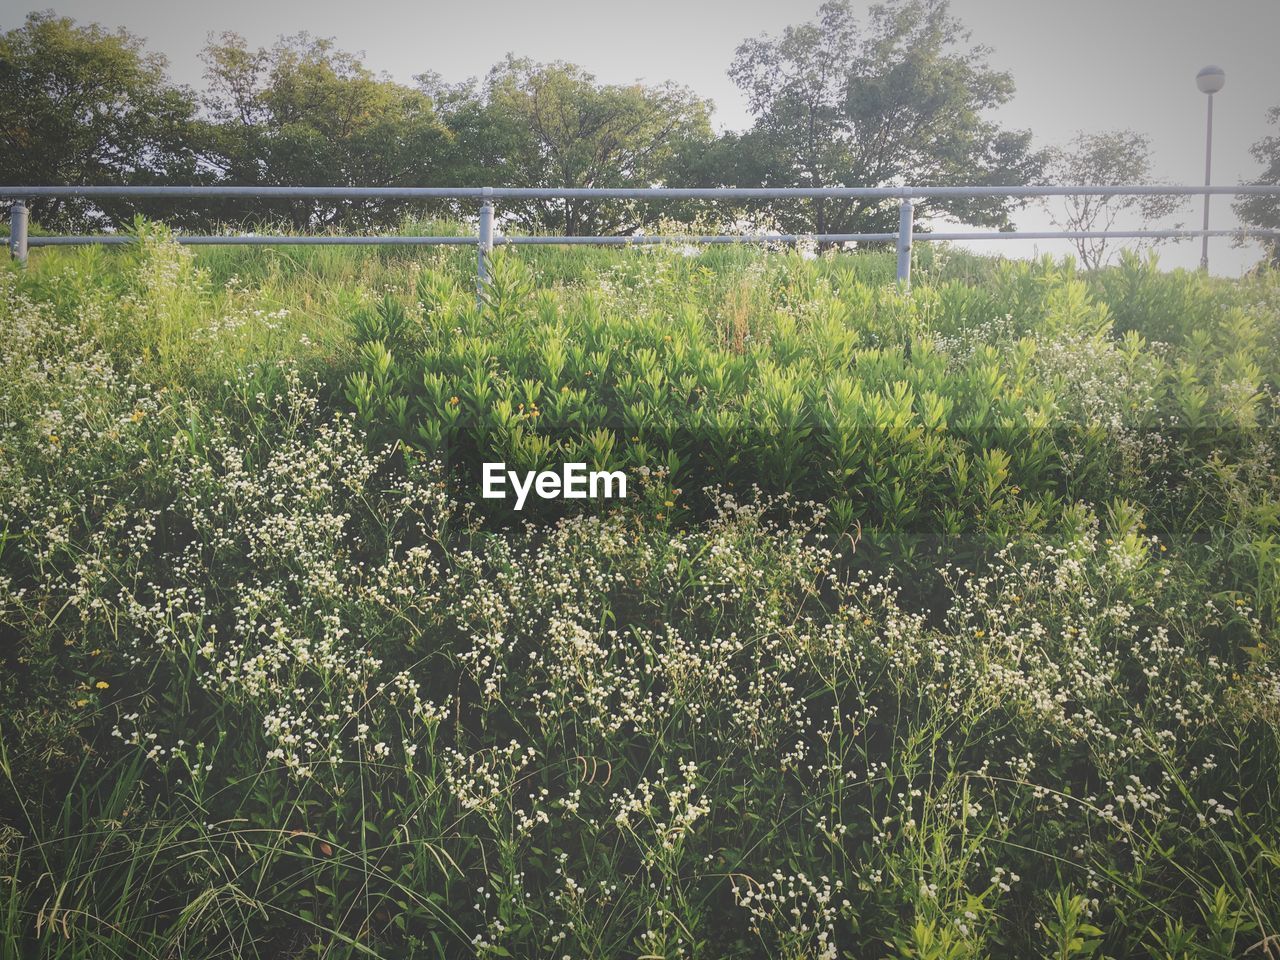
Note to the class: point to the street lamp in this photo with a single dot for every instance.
(1210, 80)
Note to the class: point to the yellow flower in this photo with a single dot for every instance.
(102, 684)
(82, 703)
(454, 401)
(137, 416)
(53, 438)
(668, 503)
(979, 634)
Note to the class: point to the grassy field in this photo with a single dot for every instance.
(937, 625)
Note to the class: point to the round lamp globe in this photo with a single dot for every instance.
(1211, 79)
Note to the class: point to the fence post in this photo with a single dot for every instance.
(906, 222)
(485, 244)
(18, 218)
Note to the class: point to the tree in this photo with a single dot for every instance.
(543, 125)
(1109, 158)
(899, 100)
(305, 113)
(79, 105)
(1264, 212)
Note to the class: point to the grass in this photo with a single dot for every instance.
(938, 625)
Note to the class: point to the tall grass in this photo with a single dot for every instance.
(938, 625)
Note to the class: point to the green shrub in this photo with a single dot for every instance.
(939, 625)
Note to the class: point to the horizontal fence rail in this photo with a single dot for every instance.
(635, 193)
(485, 239)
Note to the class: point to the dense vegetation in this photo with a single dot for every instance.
(897, 93)
(937, 625)
(901, 93)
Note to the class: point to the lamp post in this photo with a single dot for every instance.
(1210, 80)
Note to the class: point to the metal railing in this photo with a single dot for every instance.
(485, 239)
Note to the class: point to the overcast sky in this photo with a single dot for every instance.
(1078, 64)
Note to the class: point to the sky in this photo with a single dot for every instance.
(1079, 65)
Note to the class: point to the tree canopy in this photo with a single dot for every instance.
(1264, 212)
(901, 98)
(1111, 157)
(900, 94)
(553, 124)
(81, 105)
(305, 113)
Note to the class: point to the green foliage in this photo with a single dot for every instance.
(793, 376)
(901, 98)
(303, 112)
(272, 685)
(555, 125)
(81, 105)
(1119, 157)
(1070, 934)
(1264, 212)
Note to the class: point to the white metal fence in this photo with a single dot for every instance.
(485, 239)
